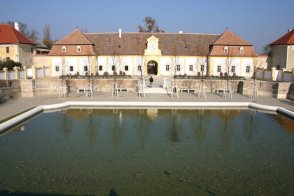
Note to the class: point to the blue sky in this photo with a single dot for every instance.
(257, 21)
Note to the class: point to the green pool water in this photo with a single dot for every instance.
(149, 152)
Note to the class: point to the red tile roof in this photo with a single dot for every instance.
(74, 38)
(9, 35)
(229, 38)
(287, 39)
(71, 41)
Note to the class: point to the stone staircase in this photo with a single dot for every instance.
(158, 90)
(156, 86)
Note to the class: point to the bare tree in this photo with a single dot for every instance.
(23, 28)
(149, 26)
(47, 36)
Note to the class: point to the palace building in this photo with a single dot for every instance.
(163, 54)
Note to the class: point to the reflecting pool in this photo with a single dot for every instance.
(149, 152)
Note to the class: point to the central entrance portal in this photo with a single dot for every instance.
(152, 67)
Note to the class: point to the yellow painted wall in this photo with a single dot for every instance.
(12, 52)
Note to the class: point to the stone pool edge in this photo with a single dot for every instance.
(108, 104)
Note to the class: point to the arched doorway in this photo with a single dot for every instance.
(152, 67)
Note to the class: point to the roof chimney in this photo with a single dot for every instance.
(180, 32)
(119, 33)
(16, 26)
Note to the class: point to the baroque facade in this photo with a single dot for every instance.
(164, 54)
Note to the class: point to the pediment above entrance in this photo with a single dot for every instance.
(152, 46)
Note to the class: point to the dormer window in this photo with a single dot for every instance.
(79, 49)
(63, 48)
(226, 49)
(241, 49)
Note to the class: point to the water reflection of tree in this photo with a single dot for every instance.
(199, 130)
(175, 128)
(226, 129)
(92, 128)
(142, 126)
(66, 122)
(116, 130)
(249, 126)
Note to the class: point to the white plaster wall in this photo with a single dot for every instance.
(83, 62)
(217, 62)
(102, 60)
(138, 60)
(56, 61)
(127, 60)
(247, 62)
(190, 61)
(71, 62)
(163, 61)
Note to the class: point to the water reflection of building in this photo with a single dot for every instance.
(287, 124)
(152, 113)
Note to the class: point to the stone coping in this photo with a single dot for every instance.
(133, 105)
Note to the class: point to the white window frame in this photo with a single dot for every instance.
(139, 67)
(219, 69)
(63, 48)
(178, 67)
(191, 68)
(166, 67)
(226, 49)
(248, 69)
(241, 49)
(79, 49)
(202, 68)
(233, 70)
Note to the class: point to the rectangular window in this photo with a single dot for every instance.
(191, 67)
(139, 67)
(233, 69)
(241, 49)
(100, 67)
(79, 49)
(226, 49)
(247, 69)
(126, 68)
(178, 67)
(113, 68)
(202, 68)
(71, 68)
(7, 49)
(57, 68)
(85, 68)
(167, 68)
(219, 68)
(63, 48)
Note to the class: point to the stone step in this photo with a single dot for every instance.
(155, 90)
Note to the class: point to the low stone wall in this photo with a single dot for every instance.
(281, 90)
(9, 90)
(30, 88)
(38, 87)
(102, 85)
